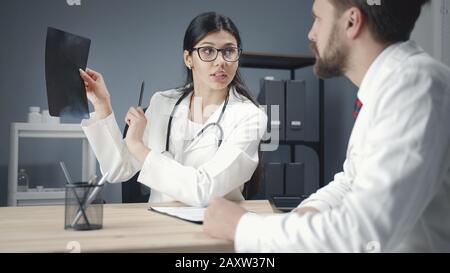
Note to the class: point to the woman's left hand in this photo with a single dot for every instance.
(136, 120)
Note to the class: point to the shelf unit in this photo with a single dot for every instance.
(293, 62)
(43, 130)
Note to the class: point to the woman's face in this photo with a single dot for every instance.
(217, 74)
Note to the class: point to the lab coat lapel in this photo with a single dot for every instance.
(178, 131)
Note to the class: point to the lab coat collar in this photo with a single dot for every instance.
(178, 126)
(234, 97)
(183, 108)
(386, 62)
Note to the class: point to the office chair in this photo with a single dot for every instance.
(253, 188)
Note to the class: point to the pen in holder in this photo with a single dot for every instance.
(83, 206)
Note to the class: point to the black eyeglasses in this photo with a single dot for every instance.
(209, 54)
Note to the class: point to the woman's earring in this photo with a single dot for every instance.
(189, 67)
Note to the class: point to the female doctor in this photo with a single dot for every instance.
(194, 143)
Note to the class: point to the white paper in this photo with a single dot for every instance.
(187, 213)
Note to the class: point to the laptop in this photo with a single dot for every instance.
(286, 203)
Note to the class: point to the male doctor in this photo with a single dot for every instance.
(393, 194)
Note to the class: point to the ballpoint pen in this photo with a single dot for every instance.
(142, 92)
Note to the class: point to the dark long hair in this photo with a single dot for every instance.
(202, 25)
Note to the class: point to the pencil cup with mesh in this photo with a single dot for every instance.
(83, 206)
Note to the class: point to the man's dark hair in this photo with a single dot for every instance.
(390, 21)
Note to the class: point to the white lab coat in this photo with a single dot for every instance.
(394, 192)
(193, 172)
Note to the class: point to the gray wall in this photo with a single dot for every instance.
(141, 40)
(432, 30)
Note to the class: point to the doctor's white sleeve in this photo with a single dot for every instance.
(403, 167)
(231, 166)
(330, 196)
(110, 149)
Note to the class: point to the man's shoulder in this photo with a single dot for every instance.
(411, 76)
(422, 65)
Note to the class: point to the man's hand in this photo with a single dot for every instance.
(221, 219)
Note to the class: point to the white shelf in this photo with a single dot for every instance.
(35, 195)
(40, 198)
(43, 130)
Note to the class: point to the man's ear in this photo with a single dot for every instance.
(187, 59)
(354, 22)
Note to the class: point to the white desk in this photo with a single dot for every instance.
(43, 130)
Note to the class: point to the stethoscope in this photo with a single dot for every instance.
(169, 126)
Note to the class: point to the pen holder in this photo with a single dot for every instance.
(83, 206)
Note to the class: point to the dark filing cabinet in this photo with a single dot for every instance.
(284, 183)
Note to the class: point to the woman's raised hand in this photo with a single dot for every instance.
(97, 93)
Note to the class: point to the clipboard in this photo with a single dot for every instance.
(178, 215)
